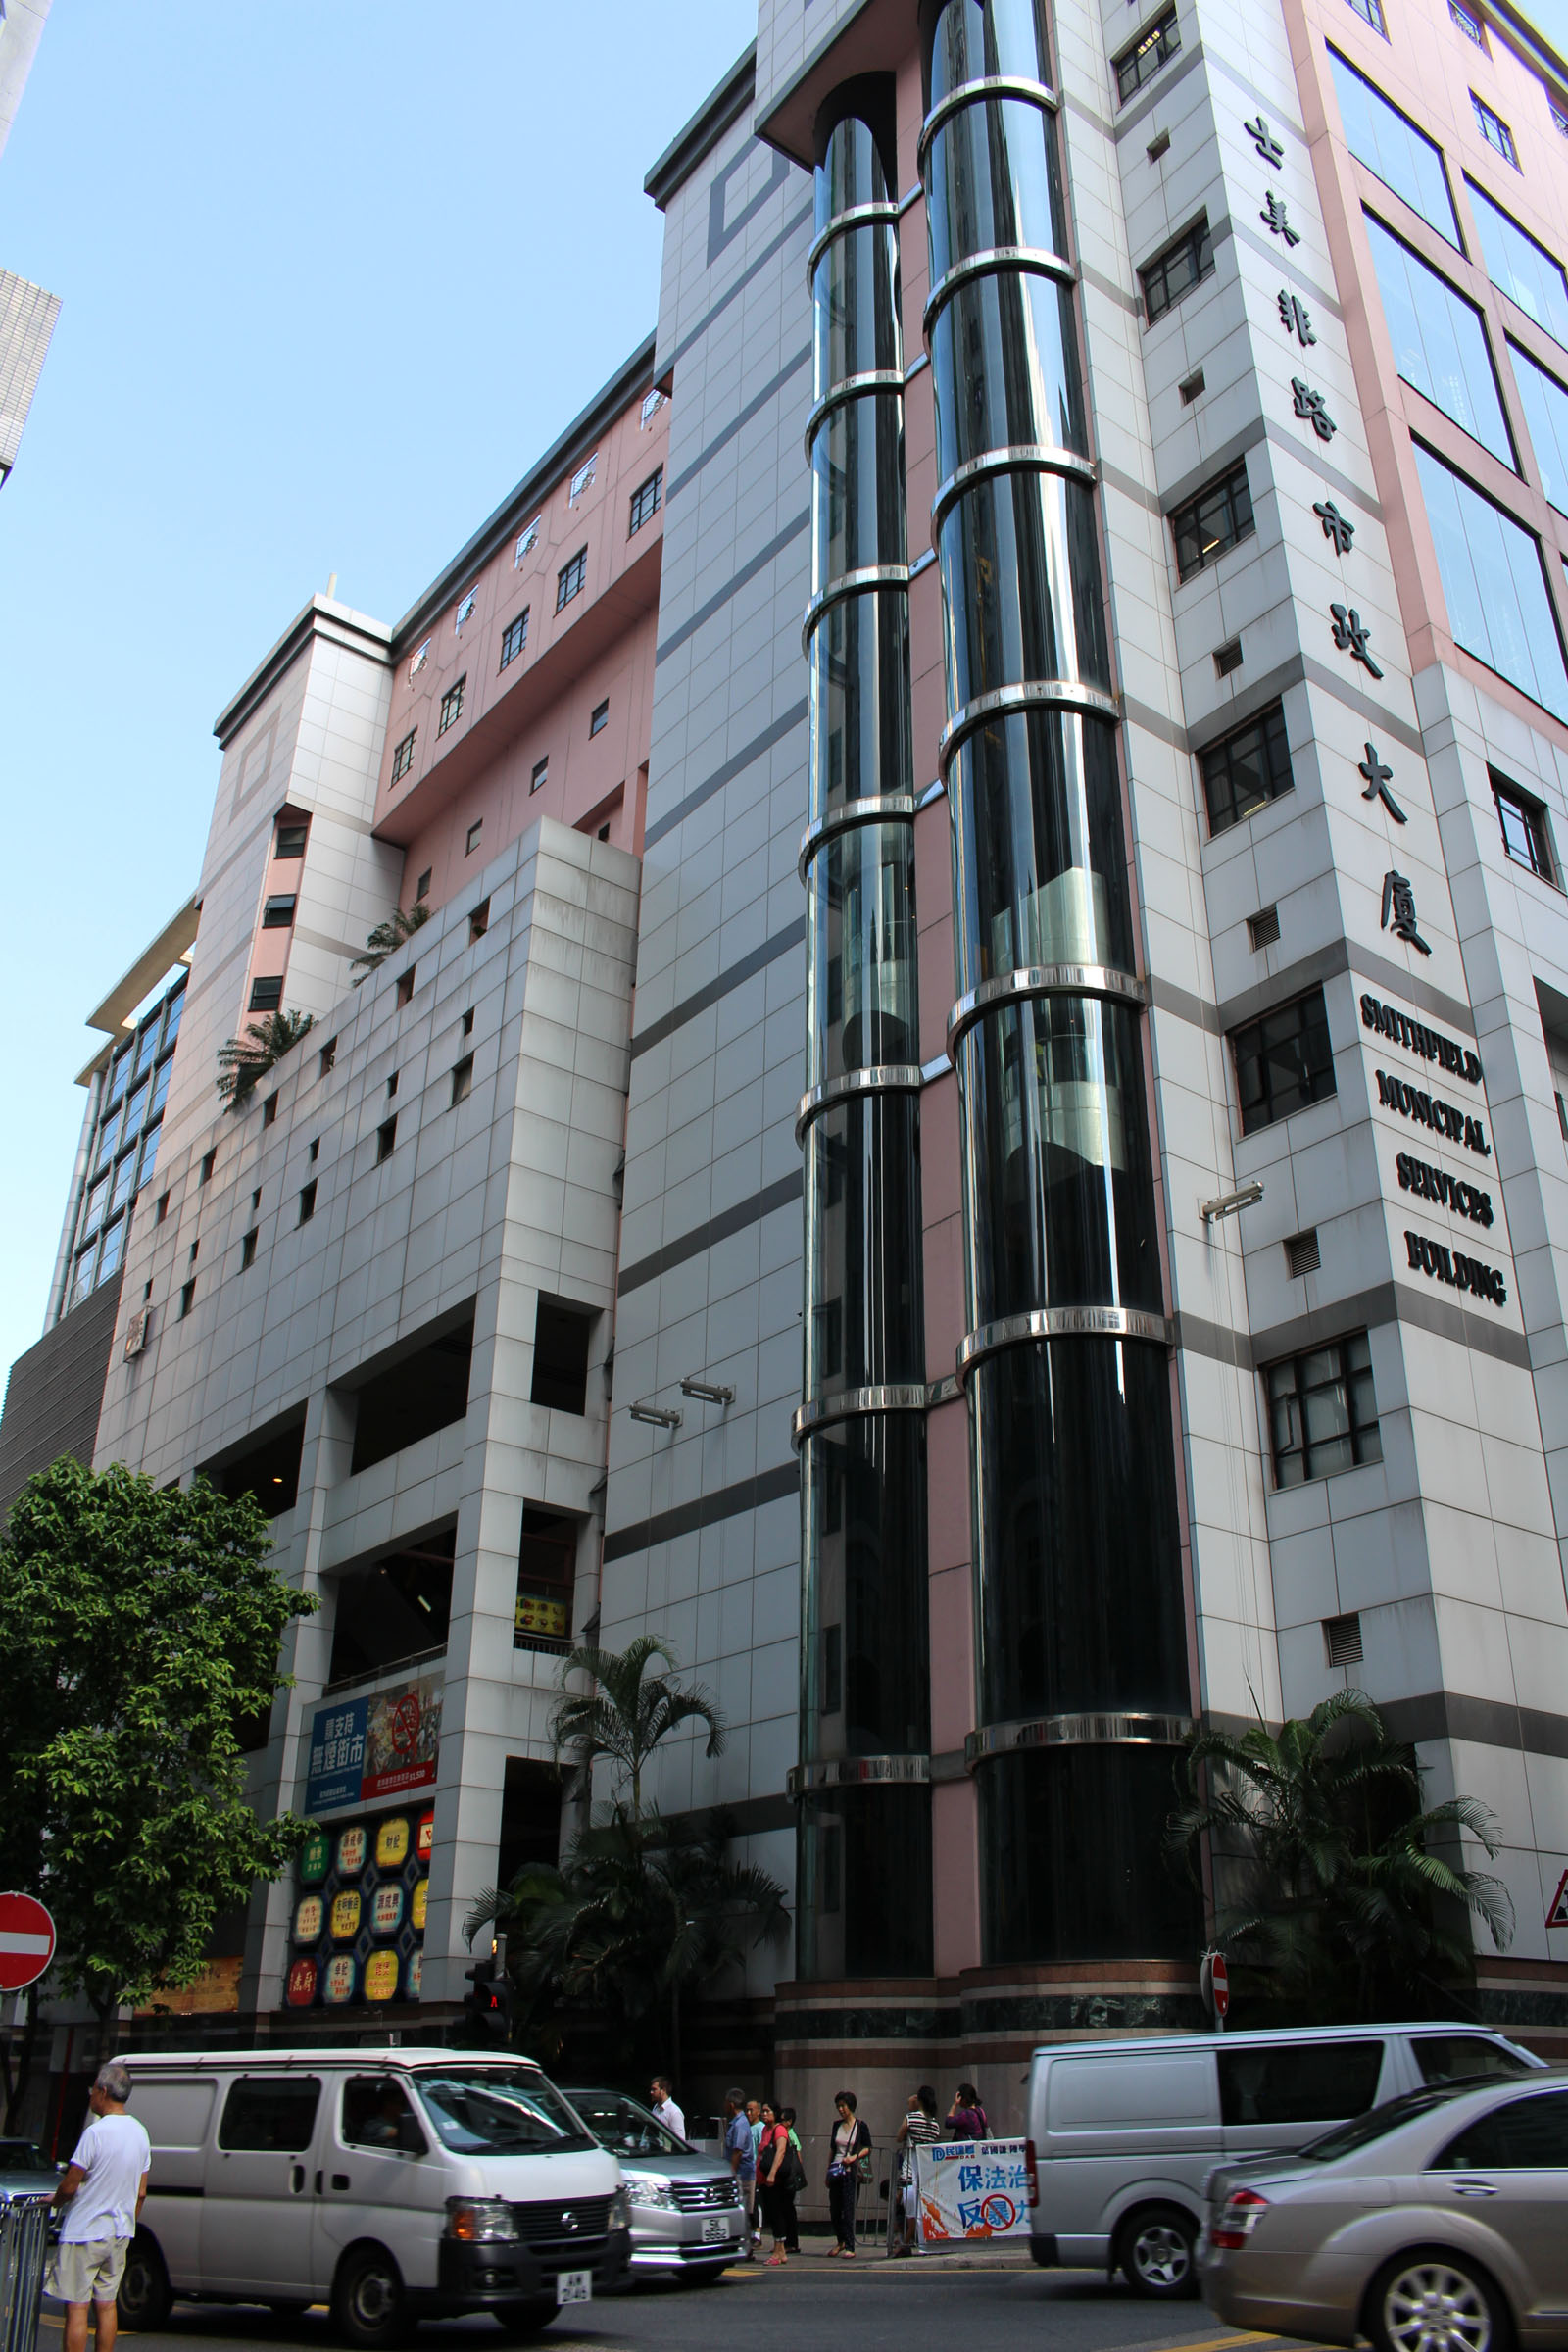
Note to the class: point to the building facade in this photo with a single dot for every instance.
(991, 821)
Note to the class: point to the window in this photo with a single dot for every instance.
(1191, 386)
(1370, 13)
(462, 1080)
(479, 921)
(329, 1056)
(1525, 2136)
(571, 577)
(314, 1152)
(1283, 1061)
(652, 402)
(255, 1197)
(474, 834)
(1462, 2057)
(403, 757)
(1213, 521)
(290, 841)
(162, 1211)
(406, 985)
(1302, 1257)
(1440, 344)
(514, 638)
(209, 1162)
(1403, 158)
(247, 1248)
(463, 614)
(600, 719)
(467, 1022)
(1545, 406)
(1469, 24)
(1246, 770)
(424, 1391)
(307, 1202)
(1341, 1639)
(267, 994)
(269, 1110)
(646, 500)
(387, 1139)
(1143, 61)
(277, 913)
(392, 1085)
(561, 1338)
(541, 774)
(1323, 1415)
(417, 662)
(1175, 271)
(1300, 2082)
(1495, 130)
(528, 541)
(1524, 829)
(451, 705)
(1227, 657)
(272, 2111)
(376, 2114)
(1493, 585)
(584, 478)
(187, 1298)
(1525, 270)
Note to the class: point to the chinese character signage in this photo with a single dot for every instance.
(357, 1935)
(971, 2189)
(384, 1745)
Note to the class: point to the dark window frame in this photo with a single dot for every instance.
(646, 500)
(1136, 66)
(451, 705)
(1495, 130)
(267, 993)
(1194, 250)
(1534, 823)
(515, 638)
(403, 757)
(572, 579)
(1340, 1368)
(1217, 767)
(278, 912)
(1268, 1088)
(599, 718)
(1223, 507)
(1370, 13)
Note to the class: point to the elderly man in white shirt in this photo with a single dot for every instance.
(101, 2193)
(665, 2107)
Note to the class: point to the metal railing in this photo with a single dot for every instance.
(23, 2244)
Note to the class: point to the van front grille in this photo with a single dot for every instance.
(702, 2197)
(561, 2228)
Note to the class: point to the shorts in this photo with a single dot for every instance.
(87, 2273)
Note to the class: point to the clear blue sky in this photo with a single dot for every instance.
(332, 276)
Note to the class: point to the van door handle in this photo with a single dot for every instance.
(340, 2179)
(1473, 2188)
(296, 2177)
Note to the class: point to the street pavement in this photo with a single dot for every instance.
(959, 2304)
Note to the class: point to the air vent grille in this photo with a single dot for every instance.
(1302, 1252)
(1263, 927)
(1342, 1638)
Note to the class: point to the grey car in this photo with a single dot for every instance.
(1438, 2223)
(688, 2217)
(23, 2172)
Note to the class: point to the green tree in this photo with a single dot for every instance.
(242, 1061)
(137, 1627)
(628, 1712)
(386, 938)
(1326, 1883)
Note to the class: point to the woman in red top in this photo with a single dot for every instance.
(773, 2165)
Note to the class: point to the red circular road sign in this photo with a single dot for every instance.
(1219, 1983)
(26, 1940)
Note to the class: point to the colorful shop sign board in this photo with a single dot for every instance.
(357, 1935)
(971, 2189)
(381, 1745)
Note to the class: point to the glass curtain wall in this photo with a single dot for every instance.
(1081, 1628)
(864, 1860)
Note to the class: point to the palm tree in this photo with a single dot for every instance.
(387, 938)
(623, 1719)
(242, 1061)
(1325, 1879)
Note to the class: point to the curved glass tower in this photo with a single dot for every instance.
(864, 1875)
(1082, 1667)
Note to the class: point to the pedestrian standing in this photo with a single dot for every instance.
(101, 2194)
(665, 2107)
(919, 2128)
(795, 2173)
(850, 2153)
(753, 2117)
(966, 2117)
(741, 2151)
(773, 2192)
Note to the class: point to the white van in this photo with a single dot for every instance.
(1122, 2134)
(393, 2185)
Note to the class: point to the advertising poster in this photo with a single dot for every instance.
(971, 2189)
(385, 1744)
(358, 1926)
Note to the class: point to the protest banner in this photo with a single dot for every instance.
(971, 2189)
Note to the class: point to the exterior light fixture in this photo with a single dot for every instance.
(712, 1391)
(1229, 1204)
(655, 1416)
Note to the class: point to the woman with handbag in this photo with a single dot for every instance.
(776, 2200)
(850, 2163)
(918, 2129)
(794, 2174)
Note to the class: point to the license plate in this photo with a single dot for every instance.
(574, 2286)
(715, 2230)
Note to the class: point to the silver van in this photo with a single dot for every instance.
(1122, 2134)
(392, 2184)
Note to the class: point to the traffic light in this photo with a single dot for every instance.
(489, 2003)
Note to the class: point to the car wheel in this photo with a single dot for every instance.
(145, 2299)
(369, 2303)
(1156, 2253)
(526, 2321)
(1436, 2302)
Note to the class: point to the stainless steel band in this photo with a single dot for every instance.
(1031, 694)
(880, 1078)
(842, 225)
(870, 382)
(820, 1412)
(1017, 457)
(994, 260)
(851, 584)
(1076, 1731)
(1042, 980)
(1060, 1323)
(886, 808)
(975, 93)
(856, 1772)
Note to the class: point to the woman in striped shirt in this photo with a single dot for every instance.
(919, 2128)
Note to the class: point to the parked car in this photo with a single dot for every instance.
(392, 2183)
(688, 2217)
(1438, 2223)
(23, 2172)
(1122, 2134)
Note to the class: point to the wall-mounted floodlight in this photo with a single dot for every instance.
(712, 1391)
(1229, 1204)
(655, 1416)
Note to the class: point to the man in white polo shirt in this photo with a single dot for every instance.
(102, 2195)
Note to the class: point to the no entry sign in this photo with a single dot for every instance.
(26, 1940)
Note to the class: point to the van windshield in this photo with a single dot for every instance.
(1363, 2129)
(498, 2111)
